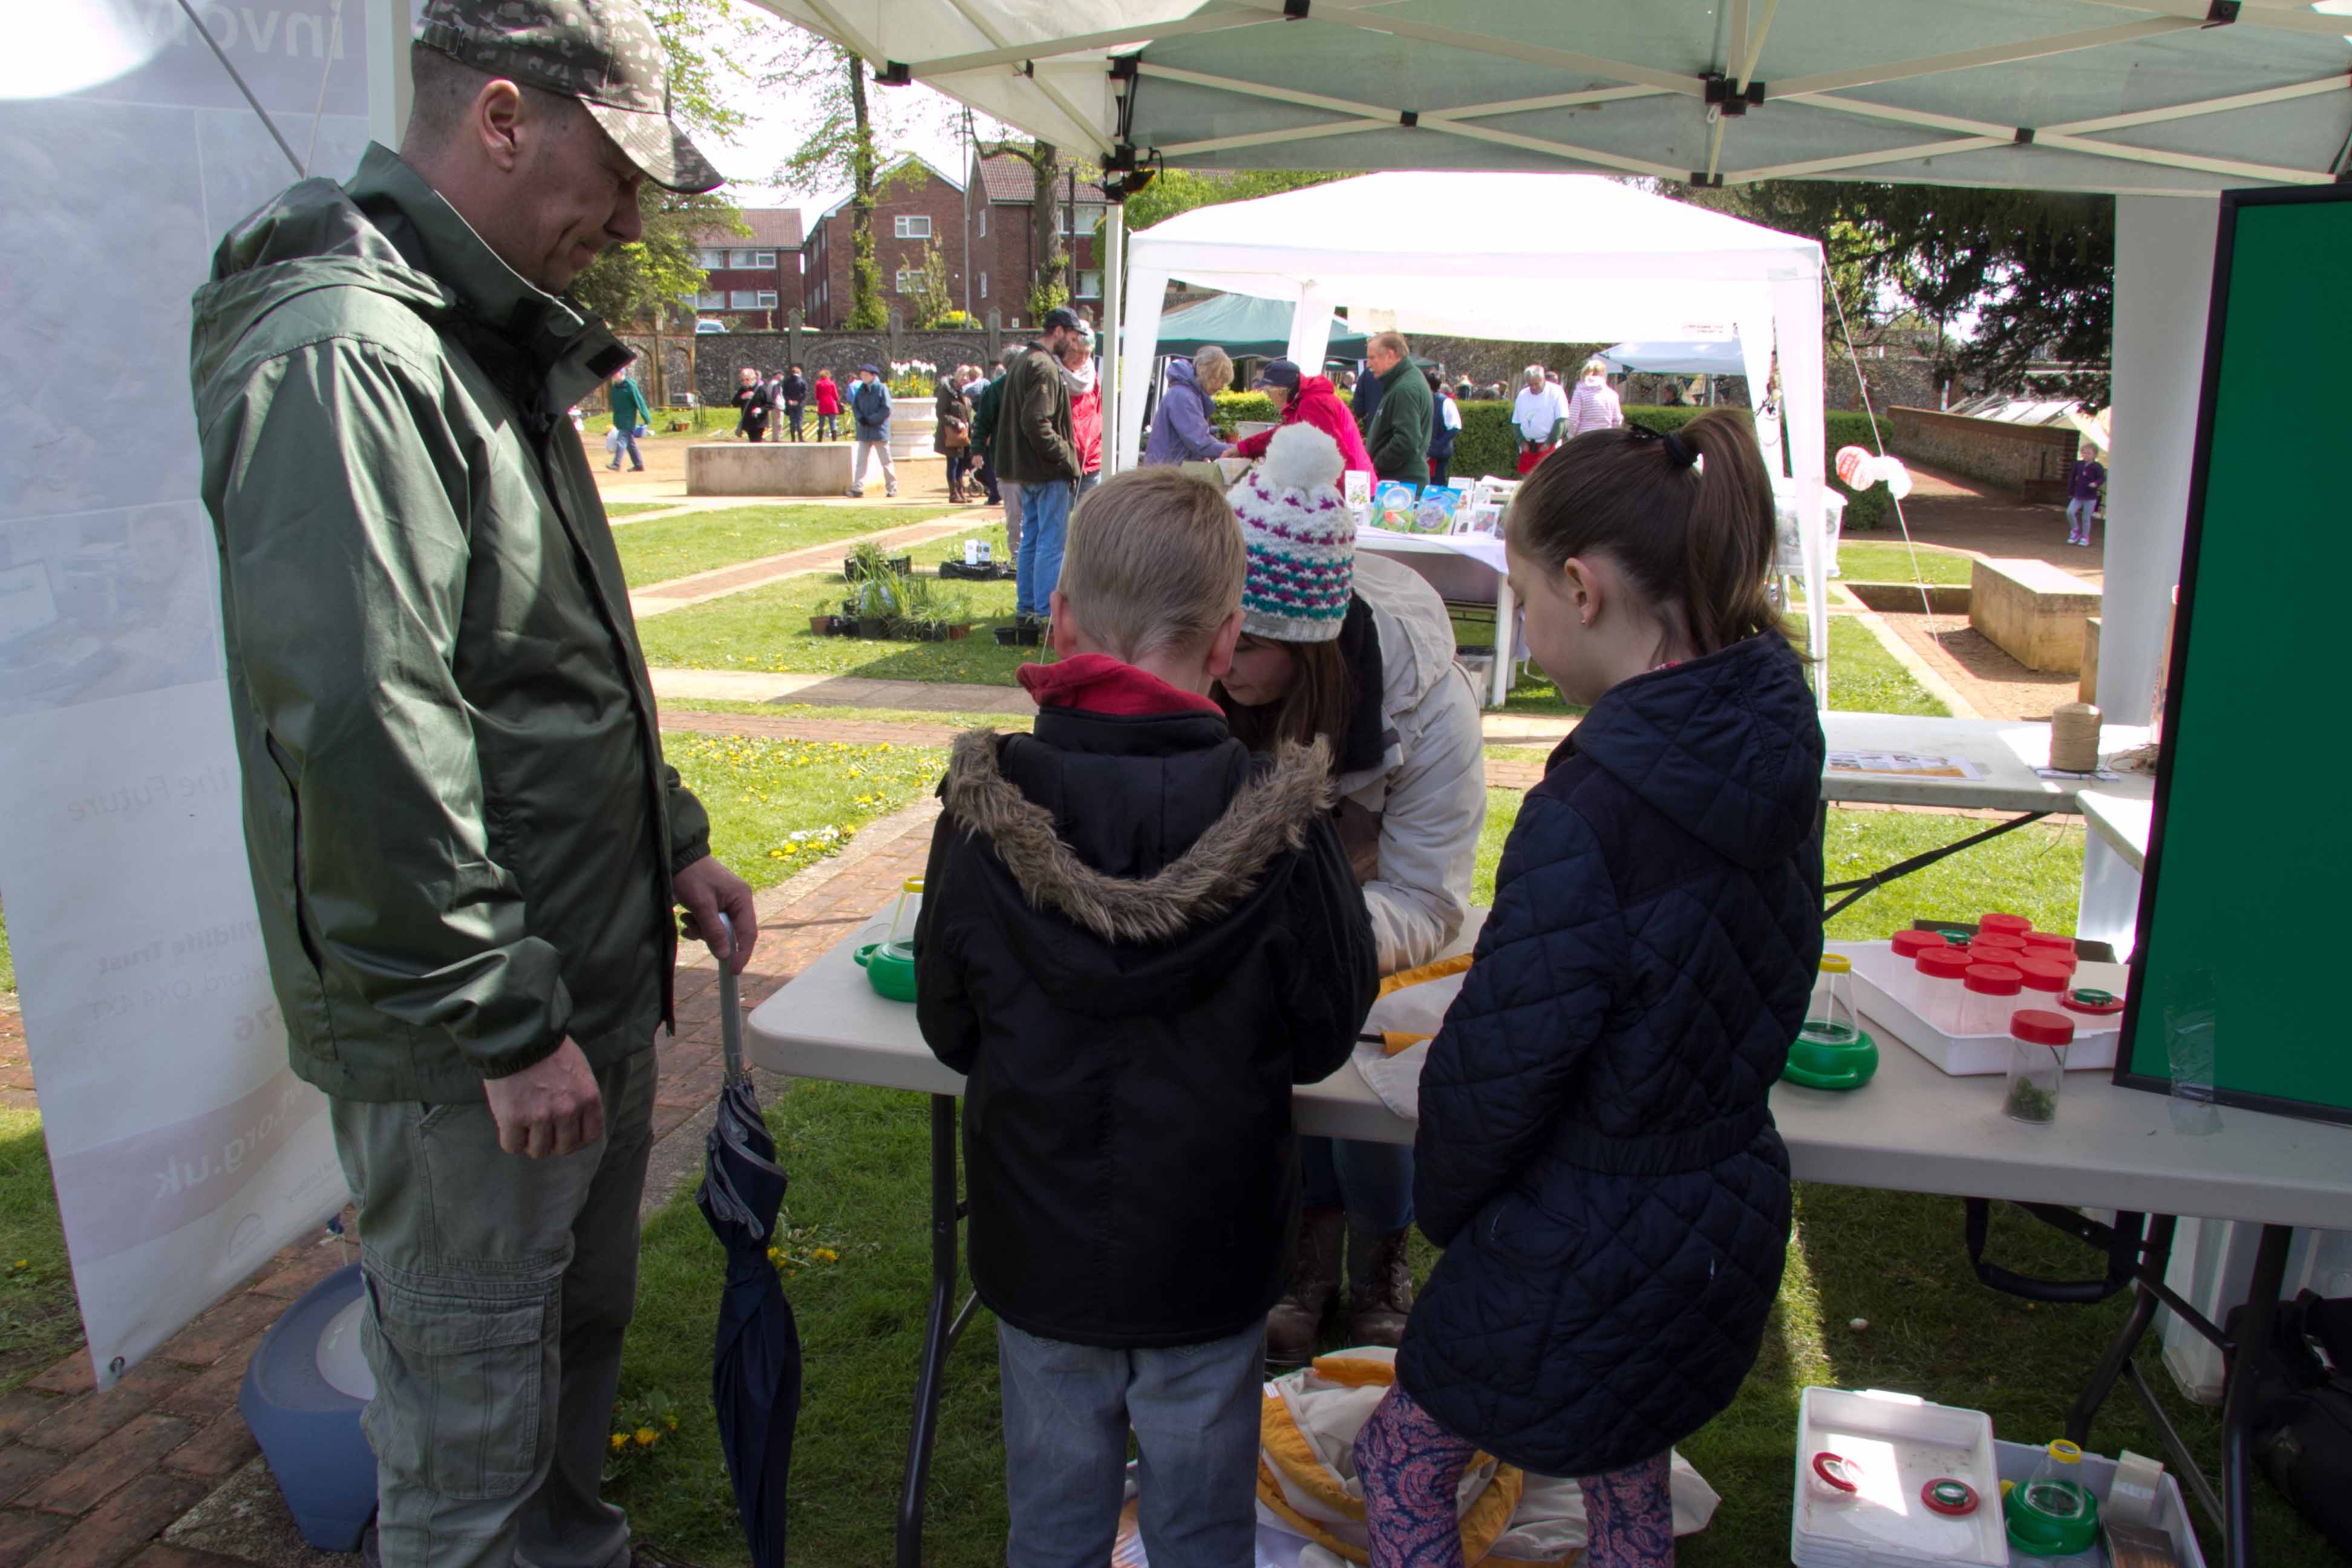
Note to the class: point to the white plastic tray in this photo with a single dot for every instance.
(1962, 1055)
(2017, 1464)
(1901, 1443)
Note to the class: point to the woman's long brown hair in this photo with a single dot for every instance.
(1697, 537)
(1318, 703)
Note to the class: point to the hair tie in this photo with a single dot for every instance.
(1678, 449)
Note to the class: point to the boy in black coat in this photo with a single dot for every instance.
(1136, 938)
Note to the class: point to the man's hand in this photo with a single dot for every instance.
(710, 889)
(551, 1107)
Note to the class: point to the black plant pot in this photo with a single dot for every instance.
(872, 627)
(1032, 635)
(1007, 637)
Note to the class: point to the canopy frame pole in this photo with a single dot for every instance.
(1863, 160)
(1999, 54)
(1273, 138)
(1565, 149)
(1210, 19)
(2336, 83)
(1510, 49)
(2292, 17)
(1116, 359)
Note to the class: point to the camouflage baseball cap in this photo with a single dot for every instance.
(601, 52)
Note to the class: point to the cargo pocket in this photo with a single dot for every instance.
(459, 1385)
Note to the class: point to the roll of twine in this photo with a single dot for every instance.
(2074, 738)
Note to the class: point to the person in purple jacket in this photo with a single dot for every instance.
(1182, 431)
(2084, 484)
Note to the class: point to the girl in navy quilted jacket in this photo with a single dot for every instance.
(1595, 1154)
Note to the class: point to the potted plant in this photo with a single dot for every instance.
(821, 618)
(876, 605)
(955, 615)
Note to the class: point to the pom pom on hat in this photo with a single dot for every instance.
(1300, 537)
(1300, 457)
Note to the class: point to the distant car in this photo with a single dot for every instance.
(706, 326)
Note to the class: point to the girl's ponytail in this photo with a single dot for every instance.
(1689, 516)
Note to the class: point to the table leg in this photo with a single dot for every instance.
(939, 1334)
(2250, 1352)
(1507, 642)
(2154, 1260)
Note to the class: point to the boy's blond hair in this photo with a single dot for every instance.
(1154, 562)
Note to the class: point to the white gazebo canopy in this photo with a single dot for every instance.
(1538, 257)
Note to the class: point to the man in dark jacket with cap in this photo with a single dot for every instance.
(465, 845)
(1037, 448)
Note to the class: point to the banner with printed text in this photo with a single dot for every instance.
(184, 1152)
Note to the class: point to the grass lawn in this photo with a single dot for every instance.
(702, 541)
(776, 806)
(766, 628)
(8, 963)
(1877, 563)
(834, 714)
(1867, 679)
(636, 508)
(40, 1321)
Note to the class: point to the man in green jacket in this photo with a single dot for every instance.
(1036, 450)
(629, 411)
(1398, 438)
(465, 845)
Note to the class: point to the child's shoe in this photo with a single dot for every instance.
(1380, 1287)
(1292, 1327)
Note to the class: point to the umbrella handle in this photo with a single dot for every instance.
(731, 1007)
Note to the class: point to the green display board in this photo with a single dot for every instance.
(2232, 987)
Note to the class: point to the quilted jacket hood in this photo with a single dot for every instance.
(1728, 745)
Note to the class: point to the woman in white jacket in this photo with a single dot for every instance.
(1358, 651)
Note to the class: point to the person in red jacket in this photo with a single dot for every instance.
(828, 406)
(1306, 399)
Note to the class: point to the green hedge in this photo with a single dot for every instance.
(1489, 444)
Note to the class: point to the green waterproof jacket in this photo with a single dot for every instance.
(1033, 442)
(461, 831)
(1399, 437)
(629, 409)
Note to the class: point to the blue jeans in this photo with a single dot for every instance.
(2078, 516)
(628, 445)
(1373, 1182)
(1045, 528)
(1194, 1411)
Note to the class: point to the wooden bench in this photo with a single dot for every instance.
(2032, 611)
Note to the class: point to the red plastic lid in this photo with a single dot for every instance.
(1994, 980)
(1912, 943)
(2043, 974)
(2005, 941)
(2041, 1027)
(1943, 963)
(2013, 925)
(2049, 939)
(2100, 1004)
(1949, 1496)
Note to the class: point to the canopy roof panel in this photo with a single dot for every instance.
(2152, 95)
(1240, 324)
(1702, 356)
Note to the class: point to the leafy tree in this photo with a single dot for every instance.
(1049, 278)
(848, 144)
(2036, 266)
(644, 283)
(933, 304)
(1181, 190)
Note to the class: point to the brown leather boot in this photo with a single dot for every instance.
(1297, 1318)
(1380, 1287)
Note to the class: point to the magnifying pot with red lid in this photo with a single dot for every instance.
(2057, 942)
(2008, 925)
(2046, 975)
(2037, 1063)
(1990, 992)
(2092, 1001)
(1940, 972)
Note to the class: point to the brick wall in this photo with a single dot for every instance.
(2029, 461)
(920, 194)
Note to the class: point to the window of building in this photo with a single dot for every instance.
(983, 285)
(917, 226)
(741, 257)
(1088, 219)
(983, 222)
(767, 299)
(709, 259)
(764, 258)
(908, 278)
(1089, 285)
(711, 299)
(743, 300)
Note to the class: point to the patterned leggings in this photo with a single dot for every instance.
(1412, 1469)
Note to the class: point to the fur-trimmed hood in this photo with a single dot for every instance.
(1203, 884)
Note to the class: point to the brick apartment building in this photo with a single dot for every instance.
(753, 281)
(985, 241)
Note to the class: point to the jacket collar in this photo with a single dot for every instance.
(1097, 683)
(571, 351)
